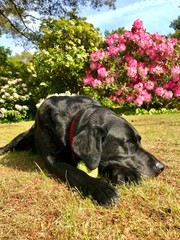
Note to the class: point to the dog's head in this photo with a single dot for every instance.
(122, 148)
(108, 141)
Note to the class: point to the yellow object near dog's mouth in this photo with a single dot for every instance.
(92, 173)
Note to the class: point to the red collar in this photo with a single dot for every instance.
(71, 131)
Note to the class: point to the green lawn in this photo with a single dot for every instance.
(34, 206)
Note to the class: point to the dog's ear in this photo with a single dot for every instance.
(87, 145)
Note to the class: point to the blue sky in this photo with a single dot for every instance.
(155, 14)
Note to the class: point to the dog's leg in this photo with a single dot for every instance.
(24, 141)
(120, 174)
(101, 192)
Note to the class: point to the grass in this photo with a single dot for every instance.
(34, 206)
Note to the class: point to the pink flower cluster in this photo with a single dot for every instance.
(141, 67)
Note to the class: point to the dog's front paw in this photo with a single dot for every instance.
(103, 193)
(2, 151)
(121, 175)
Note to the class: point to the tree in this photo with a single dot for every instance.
(64, 49)
(120, 30)
(19, 17)
(175, 24)
(4, 52)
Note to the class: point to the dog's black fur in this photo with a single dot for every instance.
(100, 139)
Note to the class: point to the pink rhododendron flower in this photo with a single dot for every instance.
(122, 47)
(102, 72)
(113, 97)
(138, 87)
(110, 79)
(170, 85)
(118, 92)
(96, 56)
(142, 70)
(132, 72)
(177, 91)
(147, 97)
(132, 62)
(149, 85)
(139, 101)
(96, 83)
(130, 98)
(160, 91)
(120, 100)
(137, 26)
(93, 65)
(168, 94)
(114, 38)
(175, 71)
(157, 69)
(114, 51)
(88, 80)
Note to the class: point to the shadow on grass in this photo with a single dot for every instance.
(24, 161)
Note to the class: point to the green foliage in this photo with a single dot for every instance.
(140, 111)
(4, 52)
(13, 116)
(63, 54)
(131, 108)
(175, 24)
(20, 19)
(120, 30)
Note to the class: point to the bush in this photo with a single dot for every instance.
(136, 67)
(63, 55)
(14, 100)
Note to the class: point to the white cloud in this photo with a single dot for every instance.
(156, 15)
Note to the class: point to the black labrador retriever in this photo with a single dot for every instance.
(77, 128)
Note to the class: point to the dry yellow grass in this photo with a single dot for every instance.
(34, 206)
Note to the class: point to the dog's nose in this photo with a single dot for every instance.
(160, 166)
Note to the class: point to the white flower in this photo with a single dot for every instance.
(3, 110)
(26, 96)
(19, 79)
(45, 52)
(43, 84)
(18, 107)
(15, 95)
(12, 81)
(39, 103)
(24, 107)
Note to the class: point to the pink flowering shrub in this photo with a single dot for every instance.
(136, 67)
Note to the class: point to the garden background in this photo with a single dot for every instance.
(131, 72)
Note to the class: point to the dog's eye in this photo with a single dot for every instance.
(131, 142)
(103, 138)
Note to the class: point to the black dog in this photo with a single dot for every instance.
(70, 129)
